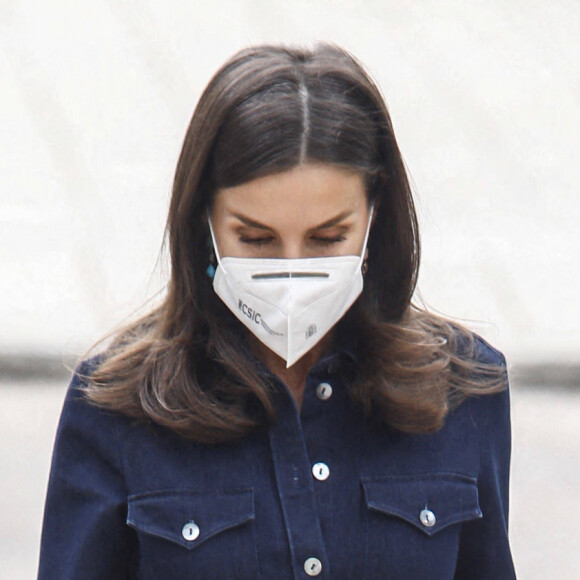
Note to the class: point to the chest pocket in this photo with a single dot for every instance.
(414, 522)
(188, 534)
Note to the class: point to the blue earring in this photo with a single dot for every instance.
(210, 271)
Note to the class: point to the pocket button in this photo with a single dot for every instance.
(190, 531)
(427, 518)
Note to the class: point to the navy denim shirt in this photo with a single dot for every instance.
(323, 493)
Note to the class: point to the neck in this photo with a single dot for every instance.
(295, 376)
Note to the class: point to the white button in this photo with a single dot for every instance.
(190, 531)
(320, 471)
(427, 518)
(312, 566)
(324, 391)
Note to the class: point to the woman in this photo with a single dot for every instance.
(286, 412)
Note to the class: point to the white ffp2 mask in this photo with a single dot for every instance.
(289, 304)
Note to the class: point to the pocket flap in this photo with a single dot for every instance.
(430, 501)
(174, 514)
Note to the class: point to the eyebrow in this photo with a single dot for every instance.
(327, 224)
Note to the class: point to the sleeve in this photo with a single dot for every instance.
(484, 550)
(84, 533)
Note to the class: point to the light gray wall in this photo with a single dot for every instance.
(96, 97)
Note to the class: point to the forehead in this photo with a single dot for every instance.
(307, 190)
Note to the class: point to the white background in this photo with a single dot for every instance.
(96, 97)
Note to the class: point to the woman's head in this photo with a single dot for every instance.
(274, 119)
(271, 110)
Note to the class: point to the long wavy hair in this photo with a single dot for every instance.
(185, 364)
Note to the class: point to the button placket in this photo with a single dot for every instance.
(295, 485)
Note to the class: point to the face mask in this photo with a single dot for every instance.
(289, 304)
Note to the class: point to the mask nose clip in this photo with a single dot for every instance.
(285, 275)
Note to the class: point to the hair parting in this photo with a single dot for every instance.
(303, 92)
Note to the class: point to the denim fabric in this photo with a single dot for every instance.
(120, 494)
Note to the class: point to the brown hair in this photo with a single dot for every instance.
(185, 365)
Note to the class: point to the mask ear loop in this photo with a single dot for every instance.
(215, 248)
(367, 234)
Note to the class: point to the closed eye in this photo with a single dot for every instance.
(255, 241)
(324, 241)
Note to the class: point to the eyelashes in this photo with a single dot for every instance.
(318, 240)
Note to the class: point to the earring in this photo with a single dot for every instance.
(210, 271)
